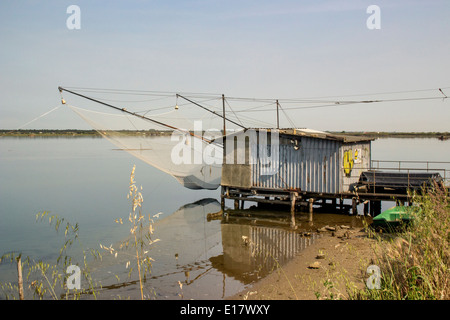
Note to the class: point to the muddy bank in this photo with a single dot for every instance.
(320, 271)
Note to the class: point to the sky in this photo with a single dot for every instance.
(255, 49)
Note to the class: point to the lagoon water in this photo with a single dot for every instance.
(86, 180)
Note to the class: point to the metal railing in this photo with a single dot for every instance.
(393, 176)
(411, 166)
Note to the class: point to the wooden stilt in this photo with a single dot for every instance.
(293, 199)
(366, 208)
(339, 202)
(354, 206)
(310, 215)
(222, 200)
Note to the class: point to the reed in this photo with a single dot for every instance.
(141, 231)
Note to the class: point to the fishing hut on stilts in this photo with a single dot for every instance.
(294, 167)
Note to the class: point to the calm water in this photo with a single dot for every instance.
(85, 181)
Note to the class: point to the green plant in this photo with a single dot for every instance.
(329, 291)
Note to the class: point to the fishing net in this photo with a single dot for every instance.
(183, 140)
(184, 149)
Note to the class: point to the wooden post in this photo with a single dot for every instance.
(311, 203)
(366, 207)
(19, 272)
(236, 204)
(354, 206)
(222, 199)
(341, 205)
(293, 198)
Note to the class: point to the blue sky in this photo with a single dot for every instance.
(259, 49)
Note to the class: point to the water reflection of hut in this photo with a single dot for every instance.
(250, 252)
(294, 165)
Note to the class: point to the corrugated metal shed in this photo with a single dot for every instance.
(303, 159)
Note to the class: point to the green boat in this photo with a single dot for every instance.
(394, 217)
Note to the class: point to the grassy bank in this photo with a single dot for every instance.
(414, 263)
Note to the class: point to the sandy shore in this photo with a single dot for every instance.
(341, 256)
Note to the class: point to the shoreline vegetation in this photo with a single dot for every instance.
(31, 133)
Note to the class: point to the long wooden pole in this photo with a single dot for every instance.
(133, 113)
(222, 189)
(224, 117)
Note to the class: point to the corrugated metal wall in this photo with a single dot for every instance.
(314, 166)
(305, 163)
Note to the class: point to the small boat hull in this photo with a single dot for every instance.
(394, 217)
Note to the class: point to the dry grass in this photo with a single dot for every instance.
(141, 231)
(414, 262)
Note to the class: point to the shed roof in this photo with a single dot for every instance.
(324, 135)
(304, 132)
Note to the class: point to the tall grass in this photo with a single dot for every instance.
(414, 262)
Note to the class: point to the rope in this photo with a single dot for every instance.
(287, 117)
(38, 117)
(226, 101)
